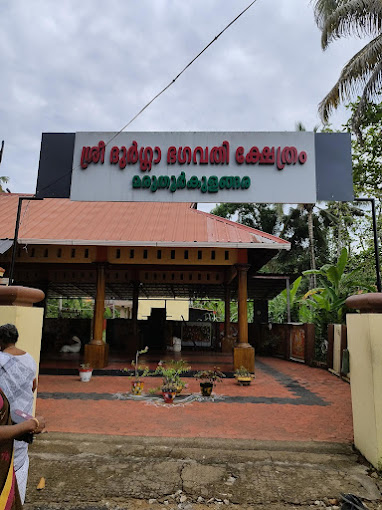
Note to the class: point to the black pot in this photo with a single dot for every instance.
(206, 388)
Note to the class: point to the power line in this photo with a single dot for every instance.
(164, 89)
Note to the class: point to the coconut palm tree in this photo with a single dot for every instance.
(362, 75)
(309, 209)
(3, 179)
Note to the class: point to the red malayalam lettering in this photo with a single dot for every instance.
(94, 154)
(239, 155)
(267, 156)
(203, 159)
(218, 155)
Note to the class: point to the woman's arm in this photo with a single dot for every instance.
(32, 426)
(8, 432)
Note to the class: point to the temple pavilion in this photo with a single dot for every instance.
(134, 250)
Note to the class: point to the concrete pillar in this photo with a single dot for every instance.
(244, 353)
(16, 307)
(97, 351)
(365, 357)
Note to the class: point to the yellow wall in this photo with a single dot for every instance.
(129, 255)
(365, 352)
(175, 308)
(28, 321)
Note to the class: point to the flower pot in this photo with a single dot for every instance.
(179, 390)
(85, 374)
(168, 396)
(244, 380)
(206, 388)
(137, 387)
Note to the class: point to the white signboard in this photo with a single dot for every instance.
(195, 167)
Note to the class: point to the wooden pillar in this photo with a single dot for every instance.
(96, 352)
(227, 342)
(244, 354)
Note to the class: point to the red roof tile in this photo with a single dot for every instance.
(62, 221)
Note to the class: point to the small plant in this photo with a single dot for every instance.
(86, 372)
(85, 366)
(243, 376)
(208, 379)
(140, 371)
(171, 372)
(212, 376)
(242, 372)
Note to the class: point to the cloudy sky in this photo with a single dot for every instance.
(91, 65)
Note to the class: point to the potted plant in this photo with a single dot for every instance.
(85, 372)
(243, 376)
(172, 383)
(140, 372)
(208, 379)
(168, 392)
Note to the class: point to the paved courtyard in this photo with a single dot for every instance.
(286, 402)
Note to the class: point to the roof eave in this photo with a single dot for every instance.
(86, 242)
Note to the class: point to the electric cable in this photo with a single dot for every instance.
(161, 92)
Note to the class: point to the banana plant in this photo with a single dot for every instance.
(336, 287)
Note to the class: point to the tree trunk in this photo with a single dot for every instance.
(313, 278)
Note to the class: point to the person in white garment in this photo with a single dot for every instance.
(18, 382)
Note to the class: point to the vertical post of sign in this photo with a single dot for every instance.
(17, 226)
(375, 235)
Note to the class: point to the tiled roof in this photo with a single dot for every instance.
(62, 221)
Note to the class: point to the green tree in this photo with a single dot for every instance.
(215, 310)
(293, 226)
(278, 307)
(264, 217)
(327, 303)
(329, 299)
(309, 209)
(362, 75)
(69, 308)
(297, 229)
(3, 180)
(367, 155)
(343, 220)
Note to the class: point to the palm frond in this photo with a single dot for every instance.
(372, 89)
(352, 18)
(354, 77)
(322, 10)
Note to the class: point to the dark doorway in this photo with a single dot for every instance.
(154, 333)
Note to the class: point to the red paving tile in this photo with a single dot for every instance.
(299, 417)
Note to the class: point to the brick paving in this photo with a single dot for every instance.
(287, 401)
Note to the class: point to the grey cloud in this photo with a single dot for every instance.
(91, 65)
